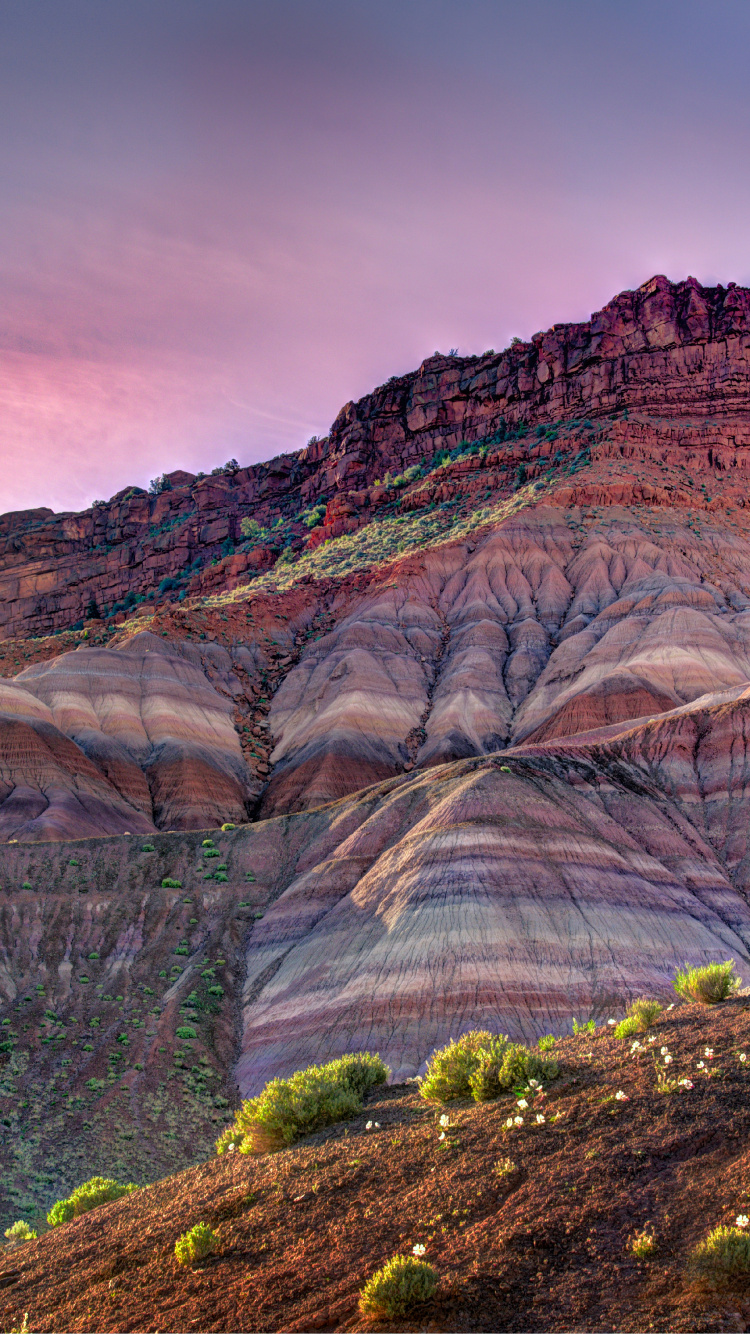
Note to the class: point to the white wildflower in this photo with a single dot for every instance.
(441, 1135)
(667, 1059)
(651, 1041)
(611, 1021)
(709, 1052)
(445, 1120)
(534, 1084)
(540, 1118)
(522, 1103)
(742, 1220)
(701, 1065)
(743, 1056)
(419, 1249)
(686, 1083)
(509, 1123)
(518, 1120)
(230, 1148)
(664, 1050)
(369, 1125)
(671, 1007)
(620, 1096)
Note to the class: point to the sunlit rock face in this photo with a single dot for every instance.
(148, 725)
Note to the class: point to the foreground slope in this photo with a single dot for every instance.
(528, 1228)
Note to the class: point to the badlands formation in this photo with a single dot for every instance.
(471, 679)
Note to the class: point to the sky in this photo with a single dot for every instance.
(220, 220)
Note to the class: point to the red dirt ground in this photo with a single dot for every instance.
(544, 1247)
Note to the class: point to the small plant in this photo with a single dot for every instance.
(27, 885)
(546, 1043)
(709, 984)
(402, 1283)
(96, 1191)
(225, 827)
(19, 1232)
(186, 1033)
(207, 843)
(723, 1254)
(310, 1099)
(196, 1244)
(481, 1066)
(588, 1027)
(505, 1167)
(148, 847)
(641, 1015)
(643, 1245)
(169, 883)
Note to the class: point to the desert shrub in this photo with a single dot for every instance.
(196, 1244)
(709, 983)
(169, 883)
(19, 1232)
(402, 1283)
(641, 1015)
(505, 1167)
(225, 827)
(481, 1065)
(310, 1099)
(546, 1043)
(96, 1191)
(207, 843)
(643, 1245)
(147, 847)
(221, 875)
(186, 1033)
(588, 1027)
(723, 1254)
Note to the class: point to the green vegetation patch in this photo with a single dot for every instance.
(402, 1283)
(96, 1191)
(482, 1066)
(709, 984)
(307, 1101)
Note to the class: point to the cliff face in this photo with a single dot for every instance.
(674, 355)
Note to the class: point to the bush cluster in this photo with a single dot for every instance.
(96, 1191)
(481, 1066)
(19, 1232)
(723, 1254)
(307, 1101)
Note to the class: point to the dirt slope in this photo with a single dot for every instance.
(543, 1246)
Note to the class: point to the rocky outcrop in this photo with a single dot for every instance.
(673, 358)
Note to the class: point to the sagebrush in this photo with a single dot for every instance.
(19, 1232)
(196, 1244)
(309, 1100)
(482, 1065)
(92, 1193)
(402, 1283)
(708, 983)
(641, 1015)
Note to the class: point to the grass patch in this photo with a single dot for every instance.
(722, 1255)
(307, 1101)
(196, 1244)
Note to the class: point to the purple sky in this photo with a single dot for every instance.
(221, 219)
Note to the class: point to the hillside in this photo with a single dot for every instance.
(470, 680)
(528, 1228)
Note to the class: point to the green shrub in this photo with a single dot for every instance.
(207, 843)
(27, 885)
(225, 827)
(96, 1191)
(186, 1033)
(310, 1099)
(641, 1015)
(709, 984)
(588, 1027)
(169, 883)
(221, 876)
(643, 1245)
(546, 1043)
(196, 1244)
(481, 1066)
(723, 1254)
(19, 1232)
(148, 847)
(402, 1283)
